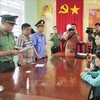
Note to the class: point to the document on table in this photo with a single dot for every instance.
(39, 65)
(26, 48)
(1, 88)
(33, 63)
(92, 55)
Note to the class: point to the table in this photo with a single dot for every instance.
(59, 79)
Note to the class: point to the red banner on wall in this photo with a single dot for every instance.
(67, 12)
(94, 17)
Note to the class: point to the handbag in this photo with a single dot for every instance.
(81, 55)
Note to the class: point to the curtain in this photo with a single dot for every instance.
(68, 12)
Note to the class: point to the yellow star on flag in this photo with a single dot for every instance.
(74, 10)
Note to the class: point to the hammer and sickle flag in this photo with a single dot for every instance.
(64, 9)
(67, 12)
(74, 10)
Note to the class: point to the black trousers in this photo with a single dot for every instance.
(96, 98)
(95, 94)
(55, 49)
(6, 66)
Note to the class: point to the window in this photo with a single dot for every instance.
(13, 7)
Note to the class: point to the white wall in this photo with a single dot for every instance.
(31, 12)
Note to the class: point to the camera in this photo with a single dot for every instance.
(91, 39)
(89, 30)
(71, 29)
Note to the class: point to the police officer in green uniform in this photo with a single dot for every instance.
(55, 38)
(7, 43)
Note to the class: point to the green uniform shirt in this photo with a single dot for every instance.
(7, 42)
(56, 40)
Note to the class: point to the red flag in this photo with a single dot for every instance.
(68, 12)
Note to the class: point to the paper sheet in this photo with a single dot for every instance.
(39, 65)
(25, 48)
(92, 55)
(33, 63)
(1, 88)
